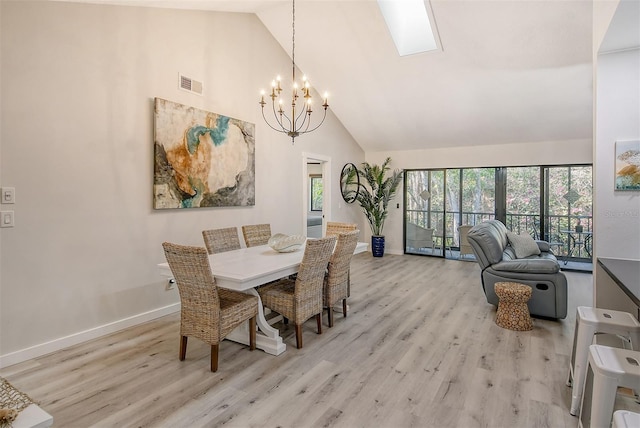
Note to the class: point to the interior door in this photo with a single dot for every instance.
(311, 164)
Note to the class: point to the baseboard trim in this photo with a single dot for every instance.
(83, 336)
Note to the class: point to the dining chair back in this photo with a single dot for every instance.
(256, 234)
(336, 280)
(301, 298)
(334, 228)
(207, 312)
(221, 240)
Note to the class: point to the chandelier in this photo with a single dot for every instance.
(298, 121)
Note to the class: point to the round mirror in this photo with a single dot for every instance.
(349, 183)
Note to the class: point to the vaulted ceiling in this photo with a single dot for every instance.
(511, 71)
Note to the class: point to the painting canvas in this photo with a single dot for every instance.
(627, 165)
(202, 159)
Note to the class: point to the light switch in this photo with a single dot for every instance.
(6, 219)
(8, 195)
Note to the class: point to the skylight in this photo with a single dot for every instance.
(409, 24)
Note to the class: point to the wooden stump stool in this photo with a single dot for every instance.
(513, 312)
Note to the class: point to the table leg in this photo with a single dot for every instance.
(267, 338)
(571, 244)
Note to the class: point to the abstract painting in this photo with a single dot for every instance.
(627, 165)
(202, 159)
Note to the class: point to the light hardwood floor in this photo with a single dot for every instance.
(419, 348)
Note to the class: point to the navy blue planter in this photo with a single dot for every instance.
(377, 246)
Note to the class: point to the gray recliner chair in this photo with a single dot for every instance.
(498, 262)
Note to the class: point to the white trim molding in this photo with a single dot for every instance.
(83, 336)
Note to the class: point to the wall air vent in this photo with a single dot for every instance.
(190, 85)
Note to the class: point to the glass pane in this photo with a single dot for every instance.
(423, 196)
(417, 201)
(452, 217)
(557, 208)
(478, 195)
(568, 222)
(436, 217)
(316, 193)
(523, 200)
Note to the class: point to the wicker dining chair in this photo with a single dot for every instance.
(256, 234)
(221, 240)
(207, 312)
(334, 228)
(465, 247)
(299, 299)
(336, 280)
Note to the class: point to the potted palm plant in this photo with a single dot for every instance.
(374, 197)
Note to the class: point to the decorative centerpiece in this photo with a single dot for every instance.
(286, 244)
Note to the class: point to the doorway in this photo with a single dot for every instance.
(316, 194)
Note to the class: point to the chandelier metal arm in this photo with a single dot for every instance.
(317, 126)
(271, 126)
(281, 114)
(303, 112)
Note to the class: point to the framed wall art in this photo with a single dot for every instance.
(202, 159)
(627, 165)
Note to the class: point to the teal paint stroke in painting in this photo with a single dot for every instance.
(218, 134)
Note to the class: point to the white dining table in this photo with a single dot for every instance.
(248, 268)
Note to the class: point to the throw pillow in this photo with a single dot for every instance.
(523, 245)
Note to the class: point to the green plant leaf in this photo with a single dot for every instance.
(377, 191)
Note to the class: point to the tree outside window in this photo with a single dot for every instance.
(316, 192)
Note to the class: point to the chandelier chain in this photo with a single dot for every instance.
(293, 39)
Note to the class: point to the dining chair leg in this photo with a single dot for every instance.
(344, 307)
(252, 333)
(214, 358)
(330, 316)
(183, 348)
(299, 336)
(319, 322)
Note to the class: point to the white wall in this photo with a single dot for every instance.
(617, 213)
(603, 12)
(617, 117)
(540, 153)
(76, 142)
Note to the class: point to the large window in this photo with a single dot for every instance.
(552, 203)
(315, 192)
